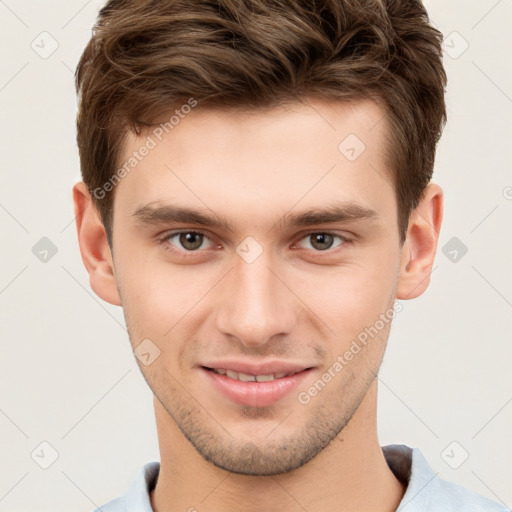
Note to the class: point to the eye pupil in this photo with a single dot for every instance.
(191, 240)
(322, 238)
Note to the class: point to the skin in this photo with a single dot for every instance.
(295, 302)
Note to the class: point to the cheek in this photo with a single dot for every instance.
(348, 298)
(157, 293)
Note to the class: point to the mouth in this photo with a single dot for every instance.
(256, 386)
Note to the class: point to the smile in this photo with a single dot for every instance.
(259, 389)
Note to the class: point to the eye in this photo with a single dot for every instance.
(189, 241)
(323, 240)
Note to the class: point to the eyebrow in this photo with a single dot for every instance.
(156, 214)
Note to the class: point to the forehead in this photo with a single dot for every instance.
(259, 164)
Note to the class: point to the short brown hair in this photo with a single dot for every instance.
(148, 56)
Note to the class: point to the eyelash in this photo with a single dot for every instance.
(165, 241)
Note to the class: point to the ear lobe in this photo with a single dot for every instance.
(420, 246)
(94, 247)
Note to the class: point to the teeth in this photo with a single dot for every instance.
(232, 374)
(264, 378)
(244, 377)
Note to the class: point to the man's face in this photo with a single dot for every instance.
(267, 296)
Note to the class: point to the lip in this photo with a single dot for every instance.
(255, 394)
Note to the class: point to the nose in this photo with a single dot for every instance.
(255, 303)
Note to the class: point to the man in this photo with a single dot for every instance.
(256, 195)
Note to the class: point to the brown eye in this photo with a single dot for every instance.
(323, 241)
(186, 241)
(190, 240)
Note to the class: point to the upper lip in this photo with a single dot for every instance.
(262, 368)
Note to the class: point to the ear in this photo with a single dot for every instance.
(420, 246)
(94, 247)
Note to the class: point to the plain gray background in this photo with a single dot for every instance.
(68, 378)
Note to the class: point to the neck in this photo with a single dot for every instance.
(350, 474)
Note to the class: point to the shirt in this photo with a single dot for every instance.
(426, 492)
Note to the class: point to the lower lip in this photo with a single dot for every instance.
(255, 394)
